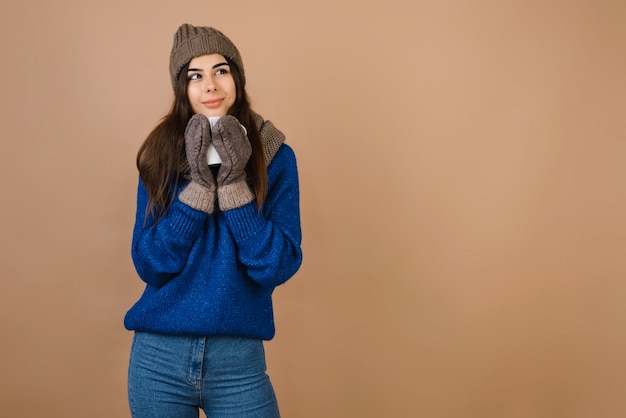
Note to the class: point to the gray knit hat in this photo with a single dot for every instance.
(193, 41)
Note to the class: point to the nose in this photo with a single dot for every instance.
(210, 85)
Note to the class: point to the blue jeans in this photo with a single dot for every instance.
(172, 377)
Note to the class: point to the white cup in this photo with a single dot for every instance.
(212, 157)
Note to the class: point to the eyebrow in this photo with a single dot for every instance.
(215, 66)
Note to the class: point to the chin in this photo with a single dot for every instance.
(211, 114)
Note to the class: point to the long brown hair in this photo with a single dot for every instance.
(161, 158)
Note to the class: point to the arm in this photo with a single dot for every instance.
(269, 243)
(160, 250)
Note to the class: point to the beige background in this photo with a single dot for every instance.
(463, 200)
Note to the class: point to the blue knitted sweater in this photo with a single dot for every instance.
(215, 274)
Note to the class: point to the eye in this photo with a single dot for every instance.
(194, 76)
(221, 71)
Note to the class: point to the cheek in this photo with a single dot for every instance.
(193, 97)
(233, 92)
(191, 94)
(229, 85)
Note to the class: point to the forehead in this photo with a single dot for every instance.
(206, 60)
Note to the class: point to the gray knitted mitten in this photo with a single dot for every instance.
(233, 147)
(200, 192)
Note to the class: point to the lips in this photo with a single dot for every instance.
(211, 104)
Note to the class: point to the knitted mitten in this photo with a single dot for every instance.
(200, 192)
(233, 147)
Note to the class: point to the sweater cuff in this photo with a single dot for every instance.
(234, 195)
(198, 197)
(245, 222)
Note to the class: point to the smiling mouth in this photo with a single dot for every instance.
(213, 103)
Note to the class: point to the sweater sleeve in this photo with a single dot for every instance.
(160, 249)
(269, 243)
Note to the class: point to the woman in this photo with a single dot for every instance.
(210, 242)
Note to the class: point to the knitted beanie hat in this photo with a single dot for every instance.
(193, 41)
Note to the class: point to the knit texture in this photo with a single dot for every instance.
(194, 41)
(198, 197)
(215, 274)
(233, 195)
(272, 137)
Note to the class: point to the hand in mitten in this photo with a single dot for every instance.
(232, 145)
(200, 193)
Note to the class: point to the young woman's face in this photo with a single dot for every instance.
(210, 85)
